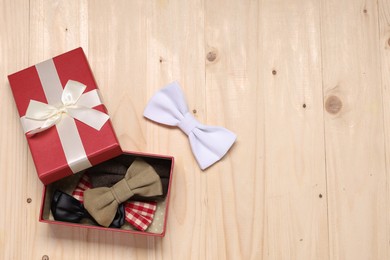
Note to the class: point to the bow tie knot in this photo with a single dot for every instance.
(188, 123)
(121, 191)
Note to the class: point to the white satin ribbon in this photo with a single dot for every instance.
(64, 106)
(40, 116)
(208, 143)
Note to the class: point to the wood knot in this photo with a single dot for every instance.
(274, 72)
(211, 56)
(45, 257)
(333, 105)
(29, 200)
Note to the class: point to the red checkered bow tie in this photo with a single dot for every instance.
(138, 214)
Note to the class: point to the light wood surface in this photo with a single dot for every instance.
(305, 84)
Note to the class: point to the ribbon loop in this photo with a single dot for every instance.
(40, 111)
(72, 92)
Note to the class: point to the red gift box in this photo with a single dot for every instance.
(70, 145)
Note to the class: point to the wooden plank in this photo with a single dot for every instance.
(235, 186)
(295, 223)
(175, 52)
(13, 150)
(55, 27)
(384, 51)
(355, 155)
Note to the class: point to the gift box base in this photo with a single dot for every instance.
(158, 226)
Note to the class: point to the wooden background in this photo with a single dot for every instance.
(305, 84)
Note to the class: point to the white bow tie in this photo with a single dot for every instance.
(208, 143)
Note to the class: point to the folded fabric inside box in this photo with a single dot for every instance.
(109, 173)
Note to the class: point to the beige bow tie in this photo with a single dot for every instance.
(140, 179)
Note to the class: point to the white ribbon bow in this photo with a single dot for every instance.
(41, 116)
(208, 143)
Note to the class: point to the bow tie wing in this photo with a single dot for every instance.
(101, 205)
(210, 143)
(167, 106)
(143, 179)
(66, 208)
(140, 214)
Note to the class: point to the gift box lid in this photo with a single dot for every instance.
(65, 122)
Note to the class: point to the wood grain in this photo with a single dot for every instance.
(304, 84)
(232, 96)
(355, 155)
(14, 35)
(295, 184)
(384, 52)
